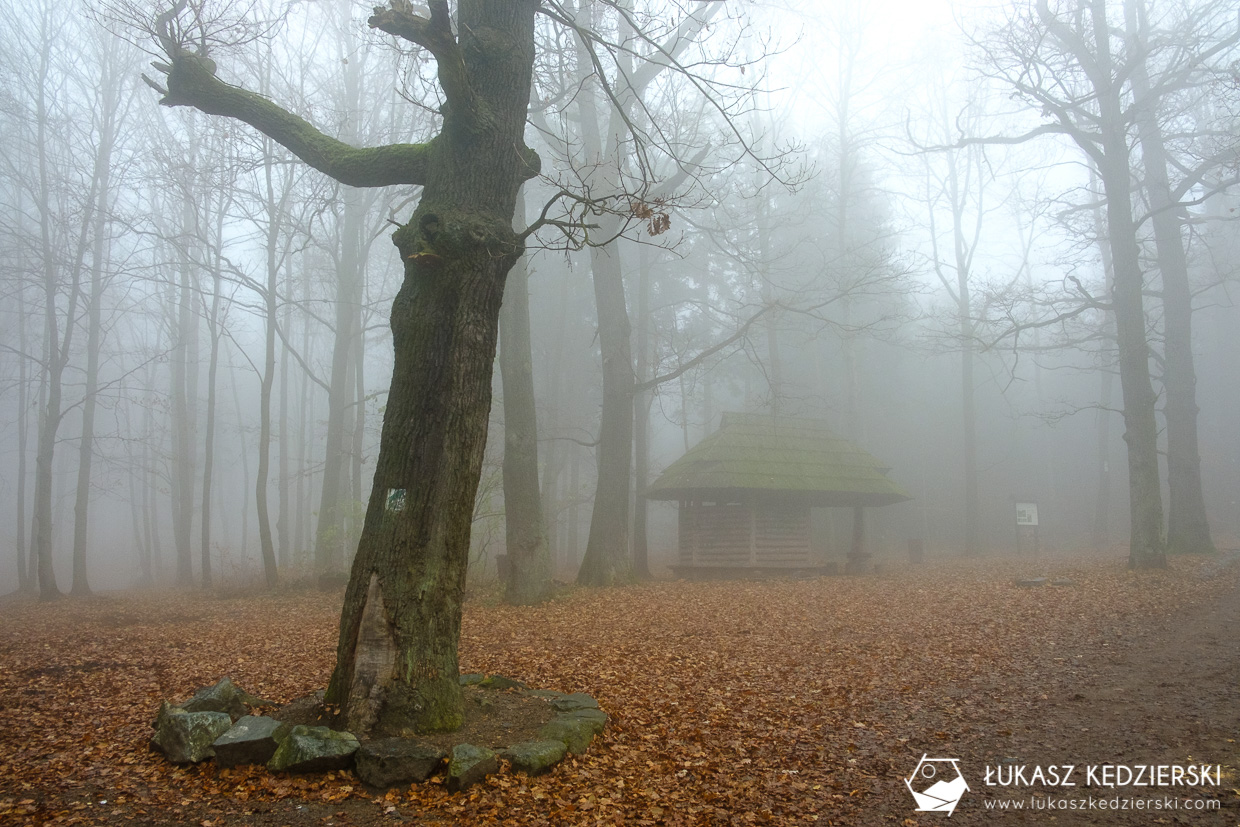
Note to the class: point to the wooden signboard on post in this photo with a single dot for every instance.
(1027, 527)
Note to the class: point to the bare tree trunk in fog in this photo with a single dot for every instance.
(955, 277)
(94, 340)
(684, 412)
(304, 487)
(284, 445)
(553, 488)
(135, 515)
(25, 579)
(968, 401)
(358, 448)
(641, 422)
(214, 332)
(1069, 46)
(572, 546)
(774, 359)
(1188, 528)
(108, 97)
(529, 564)
(184, 379)
(1112, 155)
(244, 551)
(1101, 533)
(56, 345)
(607, 560)
(847, 54)
(153, 563)
(276, 210)
(329, 536)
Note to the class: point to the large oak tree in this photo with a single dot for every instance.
(396, 668)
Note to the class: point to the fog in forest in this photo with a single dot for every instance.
(930, 229)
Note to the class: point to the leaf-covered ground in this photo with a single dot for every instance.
(797, 702)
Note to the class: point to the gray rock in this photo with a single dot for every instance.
(250, 741)
(575, 729)
(186, 737)
(224, 696)
(314, 749)
(535, 757)
(391, 762)
(469, 765)
(596, 717)
(574, 702)
(472, 679)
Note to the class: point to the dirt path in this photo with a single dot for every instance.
(1162, 694)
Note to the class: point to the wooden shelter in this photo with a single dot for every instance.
(746, 491)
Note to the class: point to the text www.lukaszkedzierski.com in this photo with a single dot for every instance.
(1114, 803)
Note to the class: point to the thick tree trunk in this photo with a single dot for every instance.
(397, 668)
(1188, 528)
(401, 619)
(529, 563)
(1146, 546)
(607, 561)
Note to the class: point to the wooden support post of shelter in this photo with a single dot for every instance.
(746, 492)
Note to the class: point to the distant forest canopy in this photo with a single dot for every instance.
(916, 244)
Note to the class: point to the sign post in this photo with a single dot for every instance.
(1027, 527)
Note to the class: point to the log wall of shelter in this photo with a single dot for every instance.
(744, 534)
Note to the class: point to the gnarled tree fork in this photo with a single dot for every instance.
(396, 670)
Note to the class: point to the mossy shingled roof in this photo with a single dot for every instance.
(755, 454)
